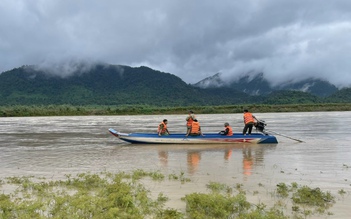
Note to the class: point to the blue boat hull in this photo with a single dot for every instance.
(208, 138)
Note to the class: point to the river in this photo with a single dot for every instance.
(51, 147)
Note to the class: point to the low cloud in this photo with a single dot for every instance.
(65, 68)
(286, 40)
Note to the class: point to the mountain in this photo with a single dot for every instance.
(104, 84)
(290, 96)
(107, 85)
(214, 81)
(313, 86)
(258, 85)
(341, 96)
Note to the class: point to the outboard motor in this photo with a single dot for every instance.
(260, 125)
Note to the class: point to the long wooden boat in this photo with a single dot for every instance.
(208, 138)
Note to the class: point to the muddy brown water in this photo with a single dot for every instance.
(51, 147)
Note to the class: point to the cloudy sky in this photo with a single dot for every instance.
(285, 39)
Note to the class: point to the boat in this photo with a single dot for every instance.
(207, 138)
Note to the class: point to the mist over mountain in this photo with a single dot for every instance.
(286, 40)
(259, 85)
(104, 84)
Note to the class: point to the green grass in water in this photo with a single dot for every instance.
(123, 195)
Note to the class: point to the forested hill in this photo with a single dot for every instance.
(122, 85)
(108, 85)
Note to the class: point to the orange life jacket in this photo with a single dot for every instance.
(164, 127)
(230, 131)
(195, 128)
(248, 118)
(189, 120)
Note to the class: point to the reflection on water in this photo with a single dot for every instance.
(250, 156)
(163, 156)
(247, 161)
(194, 158)
(227, 154)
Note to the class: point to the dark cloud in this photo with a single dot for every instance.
(287, 40)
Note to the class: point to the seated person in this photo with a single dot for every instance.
(162, 128)
(189, 120)
(195, 129)
(228, 130)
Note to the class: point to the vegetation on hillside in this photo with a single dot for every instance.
(342, 96)
(288, 97)
(107, 85)
(122, 85)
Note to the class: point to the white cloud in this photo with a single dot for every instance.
(191, 39)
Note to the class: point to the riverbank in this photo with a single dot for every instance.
(70, 110)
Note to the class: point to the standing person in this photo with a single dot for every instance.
(162, 128)
(228, 130)
(189, 120)
(249, 121)
(195, 128)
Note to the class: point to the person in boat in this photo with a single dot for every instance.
(195, 128)
(162, 128)
(249, 121)
(228, 131)
(189, 120)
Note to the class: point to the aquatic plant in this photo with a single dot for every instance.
(306, 201)
(123, 195)
(342, 192)
(218, 187)
(181, 177)
(84, 196)
(217, 205)
(313, 197)
(282, 190)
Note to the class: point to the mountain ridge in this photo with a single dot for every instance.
(258, 85)
(104, 84)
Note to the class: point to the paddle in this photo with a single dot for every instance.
(261, 126)
(285, 136)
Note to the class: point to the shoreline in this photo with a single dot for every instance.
(71, 110)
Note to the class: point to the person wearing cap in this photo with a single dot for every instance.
(249, 121)
(162, 128)
(189, 120)
(228, 130)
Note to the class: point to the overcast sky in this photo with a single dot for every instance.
(285, 39)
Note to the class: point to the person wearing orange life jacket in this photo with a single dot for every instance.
(195, 128)
(249, 121)
(189, 120)
(228, 130)
(162, 128)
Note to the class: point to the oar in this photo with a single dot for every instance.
(285, 136)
